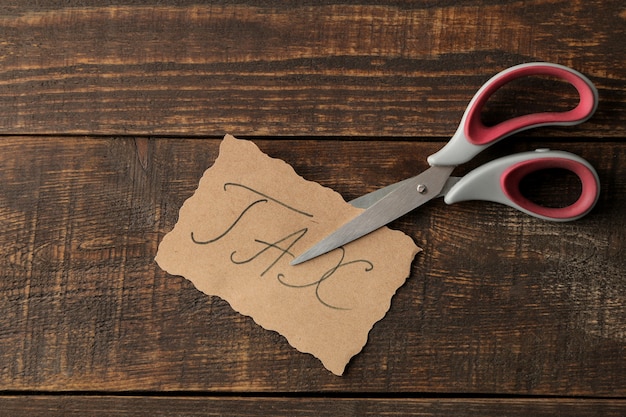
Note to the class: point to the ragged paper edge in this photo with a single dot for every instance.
(339, 370)
(337, 367)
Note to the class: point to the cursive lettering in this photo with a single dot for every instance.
(325, 276)
(283, 246)
(206, 242)
(274, 245)
(232, 184)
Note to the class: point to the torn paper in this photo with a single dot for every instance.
(250, 216)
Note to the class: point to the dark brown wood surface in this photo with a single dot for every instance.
(70, 406)
(400, 68)
(111, 113)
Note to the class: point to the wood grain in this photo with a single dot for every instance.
(295, 68)
(68, 406)
(110, 113)
(498, 302)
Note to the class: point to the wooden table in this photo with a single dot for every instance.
(111, 113)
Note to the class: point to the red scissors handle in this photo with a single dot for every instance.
(472, 136)
(479, 134)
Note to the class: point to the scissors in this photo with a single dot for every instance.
(498, 180)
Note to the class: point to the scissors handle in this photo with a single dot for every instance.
(499, 181)
(472, 136)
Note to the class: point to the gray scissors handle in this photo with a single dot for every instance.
(499, 181)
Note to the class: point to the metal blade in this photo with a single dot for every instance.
(367, 200)
(403, 198)
(451, 182)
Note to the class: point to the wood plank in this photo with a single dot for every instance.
(67, 406)
(498, 302)
(295, 69)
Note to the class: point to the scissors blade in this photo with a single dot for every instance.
(369, 199)
(401, 199)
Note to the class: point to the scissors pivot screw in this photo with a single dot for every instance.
(421, 188)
